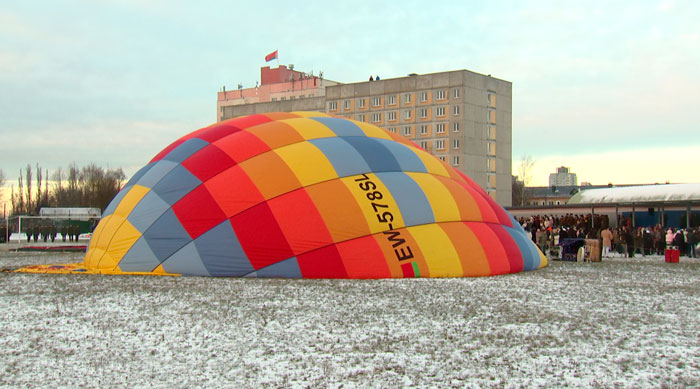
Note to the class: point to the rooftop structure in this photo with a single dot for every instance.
(279, 84)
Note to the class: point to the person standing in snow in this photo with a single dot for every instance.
(607, 237)
(669, 236)
(542, 239)
(628, 235)
(679, 241)
(692, 242)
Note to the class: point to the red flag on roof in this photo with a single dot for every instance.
(271, 56)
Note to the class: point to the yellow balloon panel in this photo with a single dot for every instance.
(440, 256)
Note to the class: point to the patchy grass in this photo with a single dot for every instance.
(619, 323)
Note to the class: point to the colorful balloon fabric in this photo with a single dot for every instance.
(305, 195)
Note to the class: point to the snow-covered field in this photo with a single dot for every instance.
(619, 323)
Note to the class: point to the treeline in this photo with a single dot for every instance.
(90, 186)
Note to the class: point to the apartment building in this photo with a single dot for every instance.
(462, 117)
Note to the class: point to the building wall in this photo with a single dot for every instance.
(308, 104)
(482, 102)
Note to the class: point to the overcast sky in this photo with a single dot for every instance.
(610, 89)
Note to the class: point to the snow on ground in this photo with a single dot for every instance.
(619, 323)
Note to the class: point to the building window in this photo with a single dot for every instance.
(440, 111)
(391, 116)
(423, 97)
(423, 113)
(361, 118)
(424, 145)
(455, 160)
(455, 144)
(423, 129)
(491, 116)
(274, 99)
(491, 164)
(491, 96)
(376, 117)
(455, 110)
(491, 181)
(407, 114)
(283, 98)
(333, 105)
(376, 101)
(440, 128)
(346, 104)
(407, 130)
(392, 129)
(440, 144)
(391, 100)
(361, 103)
(443, 158)
(455, 93)
(491, 133)
(294, 97)
(407, 98)
(455, 127)
(490, 148)
(440, 94)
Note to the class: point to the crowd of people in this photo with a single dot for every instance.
(625, 240)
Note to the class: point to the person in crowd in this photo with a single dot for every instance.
(659, 242)
(629, 241)
(617, 242)
(542, 239)
(607, 236)
(647, 241)
(638, 241)
(692, 239)
(679, 241)
(670, 234)
(76, 232)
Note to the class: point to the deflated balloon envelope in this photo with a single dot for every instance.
(305, 195)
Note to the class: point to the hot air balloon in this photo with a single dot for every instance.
(303, 195)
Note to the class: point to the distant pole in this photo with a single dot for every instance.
(687, 217)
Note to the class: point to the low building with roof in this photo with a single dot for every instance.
(671, 205)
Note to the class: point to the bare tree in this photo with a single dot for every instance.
(38, 186)
(89, 186)
(20, 196)
(525, 169)
(74, 197)
(46, 188)
(2, 182)
(518, 192)
(28, 198)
